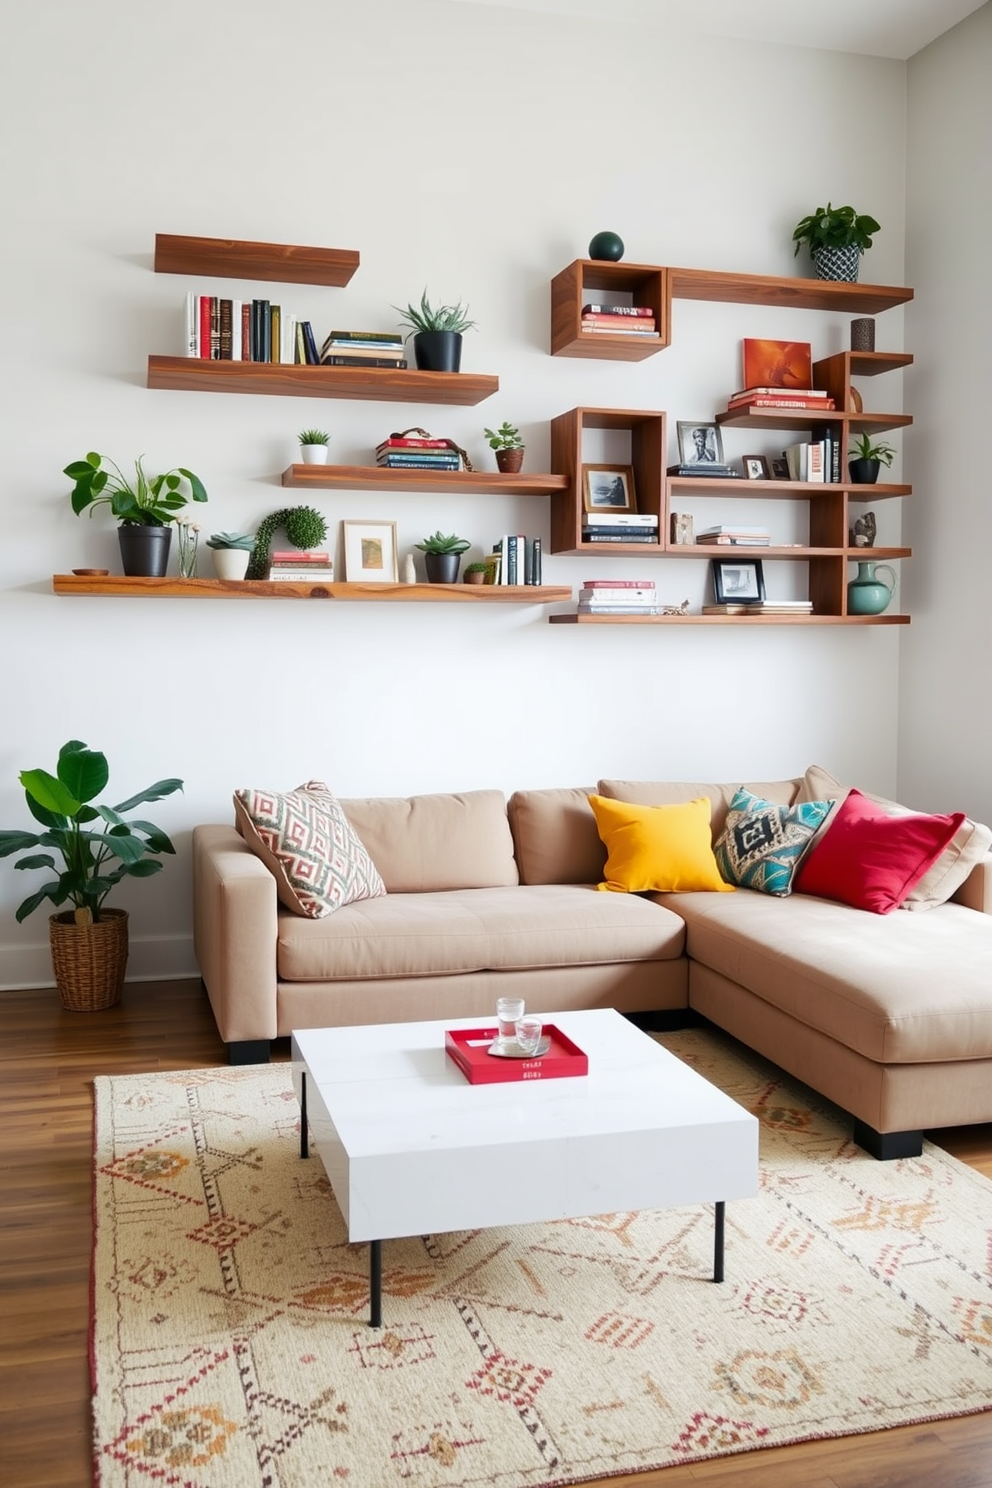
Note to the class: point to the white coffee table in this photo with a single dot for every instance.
(411, 1148)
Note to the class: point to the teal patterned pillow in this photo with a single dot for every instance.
(762, 844)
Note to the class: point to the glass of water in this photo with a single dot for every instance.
(529, 1030)
(508, 1010)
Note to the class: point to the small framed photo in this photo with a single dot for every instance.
(756, 467)
(738, 582)
(699, 444)
(370, 553)
(780, 468)
(608, 488)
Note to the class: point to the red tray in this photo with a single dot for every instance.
(469, 1048)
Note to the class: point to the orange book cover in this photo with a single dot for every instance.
(786, 364)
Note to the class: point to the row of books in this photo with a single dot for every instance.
(815, 460)
(618, 597)
(289, 565)
(222, 330)
(626, 320)
(817, 399)
(362, 349)
(619, 527)
(402, 452)
(515, 559)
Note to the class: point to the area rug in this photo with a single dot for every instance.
(231, 1348)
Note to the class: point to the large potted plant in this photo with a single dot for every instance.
(443, 556)
(144, 506)
(437, 333)
(89, 942)
(837, 237)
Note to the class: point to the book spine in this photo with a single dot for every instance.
(204, 302)
(399, 441)
(246, 331)
(296, 556)
(299, 348)
(618, 584)
(643, 312)
(347, 361)
(623, 322)
(403, 463)
(275, 334)
(312, 356)
(381, 337)
(214, 328)
(191, 326)
(824, 405)
(225, 329)
(235, 330)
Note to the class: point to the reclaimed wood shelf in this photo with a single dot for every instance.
(727, 552)
(230, 258)
(378, 384)
(122, 586)
(796, 294)
(807, 418)
(745, 620)
(782, 489)
(379, 478)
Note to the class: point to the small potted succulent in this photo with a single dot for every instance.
(231, 553)
(145, 507)
(437, 333)
(475, 573)
(837, 237)
(313, 446)
(443, 556)
(866, 458)
(509, 447)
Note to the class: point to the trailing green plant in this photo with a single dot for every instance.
(94, 861)
(314, 436)
(141, 502)
(835, 227)
(505, 437)
(866, 450)
(304, 528)
(241, 540)
(427, 317)
(441, 544)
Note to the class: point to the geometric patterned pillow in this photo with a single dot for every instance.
(763, 844)
(309, 846)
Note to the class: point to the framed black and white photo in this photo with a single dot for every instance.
(755, 467)
(738, 581)
(608, 488)
(370, 553)
(780, 468)
(699, 444)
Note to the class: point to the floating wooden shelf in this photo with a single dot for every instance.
(797, 294)
(745, 620)
(783, 490)
(378, 384)
(727, 552)
(229, 258)
(377, 478)
(124, 587)
(806, 418)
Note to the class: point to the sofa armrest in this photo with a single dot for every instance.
(234, 933)
(976, 891)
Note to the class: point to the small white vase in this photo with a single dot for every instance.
(313, 454)
(231, 563)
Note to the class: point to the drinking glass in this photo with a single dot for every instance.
(508, 1010)
(528, 1030)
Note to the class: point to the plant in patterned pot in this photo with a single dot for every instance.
(837, 237)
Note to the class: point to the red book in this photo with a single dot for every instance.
(294, 556)
(626, 322)
(618, 584)
(469, 1049)
(398, 441)
(246, 331)
(825, 405)
(205, 326)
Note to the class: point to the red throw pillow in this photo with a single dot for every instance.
(870, 860)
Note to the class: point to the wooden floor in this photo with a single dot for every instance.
(48, 1058)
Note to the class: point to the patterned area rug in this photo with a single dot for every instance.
(230, 1340)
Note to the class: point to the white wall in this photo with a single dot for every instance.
(475, 152)
(946, 709)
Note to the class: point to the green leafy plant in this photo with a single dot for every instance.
(427, 317)
(441, 544)
(835, 227)
(94, 861)
(505, 437)
(314, 436)
(242, 540)
(304, 527)
(142, 502)
(866, 450)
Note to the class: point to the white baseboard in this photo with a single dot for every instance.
(163, 958)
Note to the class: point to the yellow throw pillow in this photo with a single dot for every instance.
(660, 849)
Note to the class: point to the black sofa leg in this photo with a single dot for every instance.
(887, 1145)
(249, 1051)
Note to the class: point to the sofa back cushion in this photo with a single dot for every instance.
(425, 843)
(674, 792)
(555, 837)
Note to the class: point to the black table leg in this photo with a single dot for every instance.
(375, 1283)
(718, 1242)
(304, 1128)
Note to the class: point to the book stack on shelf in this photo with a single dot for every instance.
(618, 597)
(517, 559)
(362, 349)
(222, 330)
(290, 565)
(762, 607)
(603, 526)
(729, 536)
(403, 452)
(711, 470)
(627, 320)
(814, 461)
(781, 397)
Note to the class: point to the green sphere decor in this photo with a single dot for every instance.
(304, 527)
(607, 246)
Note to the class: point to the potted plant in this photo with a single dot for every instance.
(866, 458)
(475, 573)
(313, 446)
(144, 507)
(89, 943)
(437, 333)
(443, 556)
(232, 553)
(837, 237)
(509, 447)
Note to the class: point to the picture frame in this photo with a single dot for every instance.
(755, 467)
(780, 468)
(738, 580)
(607, 488)
(370, 555)
(699, 443)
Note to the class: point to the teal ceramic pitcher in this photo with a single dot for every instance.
(867, 594)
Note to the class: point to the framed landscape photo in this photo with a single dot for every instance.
(755, 467)
(370, 553)
(738, 581)
(608, 488)
(699, 444)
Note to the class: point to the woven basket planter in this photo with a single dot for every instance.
(837, 263)
(89, 960)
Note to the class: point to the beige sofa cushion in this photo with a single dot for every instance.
(671, 792)
(969, 845)
(425, 843)
(469, 930)
(555, 836)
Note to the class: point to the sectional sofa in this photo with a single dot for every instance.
(887, 1015)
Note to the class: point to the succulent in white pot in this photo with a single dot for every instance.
(231, 553)
(313, 446)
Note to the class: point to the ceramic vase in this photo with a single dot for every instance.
(867, 594)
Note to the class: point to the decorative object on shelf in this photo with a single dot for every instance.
(443, 556)
(437, 333)
(313, 446)
(867, 594)
(89, 943)
(856, 402)
(700, 445)
(609, 488)
(409, 570)
(777, 364)
(738, 580)
(863, 334)
(417, 449)
(231, 553)
(864, 531)
(187, 536)
(679, 609)
(682, 529)
(91, 573)
(476, 573)
(144, 507)
(509, 447)
(837, 237)
(606, 247)
(780, 467)
(755, 467)
(304, 527)
(370, 553)
(867, 458)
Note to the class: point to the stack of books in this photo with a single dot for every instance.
(628, 320)
(400, 452)
(817, 399)
(781, 607)
(362, 349)
(710, 470)
(618, 597)
(290, 565)
(734, 536)
(619, 527)
(517, 559)
(815, 460)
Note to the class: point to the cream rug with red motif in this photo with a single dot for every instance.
(230, 1345)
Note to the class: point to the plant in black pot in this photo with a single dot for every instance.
(866, 458)
(437, 333)
(443, 556)
(89, 942)
(837, 237)
(144, 506)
